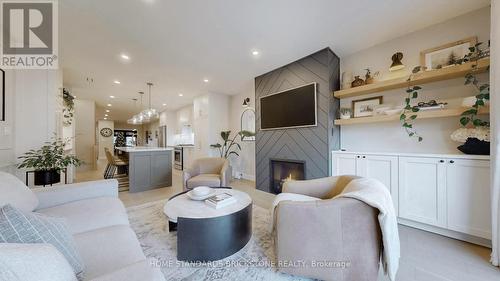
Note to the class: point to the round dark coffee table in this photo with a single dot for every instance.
(208, 234)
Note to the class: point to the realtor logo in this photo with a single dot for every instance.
(29, 34)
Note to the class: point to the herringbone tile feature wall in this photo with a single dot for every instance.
(312, 144)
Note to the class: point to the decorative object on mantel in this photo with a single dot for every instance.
(2, 95)
(446, 55)
(226, 148)
(408, 115)
(345, 113)
(69, 107)
(365, 107)
(369, 78)
(357, 82)
(476, 132)
(48, 161)
(397, 64)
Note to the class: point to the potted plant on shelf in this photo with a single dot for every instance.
(48, 161)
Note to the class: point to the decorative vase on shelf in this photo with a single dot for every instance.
(476, 140)
(357, 82)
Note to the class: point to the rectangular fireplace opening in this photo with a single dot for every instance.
(283, 170)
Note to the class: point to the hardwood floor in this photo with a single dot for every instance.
(424, 256)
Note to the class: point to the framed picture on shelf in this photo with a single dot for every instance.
(446, 55)
(365, 107)
(2, 95)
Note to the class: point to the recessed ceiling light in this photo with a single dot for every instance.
(112, 97)
(205, 80)
(181, 95)
(117, 82)
(74, 97)
(164, 104)
(105, 115)
(125, 56)
(109, 104)
(255, 52)
(107, 110)
(105, 118)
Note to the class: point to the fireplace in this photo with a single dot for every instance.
(283, 170)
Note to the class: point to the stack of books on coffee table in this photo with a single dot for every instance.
(220, 200)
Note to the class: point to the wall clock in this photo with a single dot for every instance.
(106, 132)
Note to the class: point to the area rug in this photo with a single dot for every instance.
(253, 262)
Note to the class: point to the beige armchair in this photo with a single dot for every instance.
(337, 239)
(213, 172)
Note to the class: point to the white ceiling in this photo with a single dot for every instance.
(176, 44)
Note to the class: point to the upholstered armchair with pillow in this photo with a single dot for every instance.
(212, 171)
(338, 239)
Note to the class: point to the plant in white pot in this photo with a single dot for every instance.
(48, 161)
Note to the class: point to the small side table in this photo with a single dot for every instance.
(65, 171)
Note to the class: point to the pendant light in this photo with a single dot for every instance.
(150, 113)
(135, 118)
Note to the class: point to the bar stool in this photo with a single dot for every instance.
(111, 169)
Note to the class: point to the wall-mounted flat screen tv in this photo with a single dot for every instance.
(289, 109)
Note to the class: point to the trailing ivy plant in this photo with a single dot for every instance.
(470, 116)
(69, 107)
(408, 115)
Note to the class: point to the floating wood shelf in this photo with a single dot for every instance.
(418, 79)
(438, 113)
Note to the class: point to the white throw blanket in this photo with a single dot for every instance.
(376, 194)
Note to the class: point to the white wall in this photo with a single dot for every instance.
(210, 117)
(7, 157)
(390, 137)
(104, 142)
(168, 118)
(85, 132)
(245, 164)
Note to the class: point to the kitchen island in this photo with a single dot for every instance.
(149, 167)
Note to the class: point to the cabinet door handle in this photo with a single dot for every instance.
(452, 161)
(441, 161)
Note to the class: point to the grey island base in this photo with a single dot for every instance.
(149, 167)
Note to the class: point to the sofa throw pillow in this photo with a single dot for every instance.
(19, 227)
(16, 193)
(33, 262)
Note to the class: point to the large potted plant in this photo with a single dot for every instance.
(48, 161)
(230, 146)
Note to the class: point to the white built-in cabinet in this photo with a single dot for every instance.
(449, 192)
(381, 167)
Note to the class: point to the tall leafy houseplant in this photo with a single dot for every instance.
(229, 145)
(48, 161)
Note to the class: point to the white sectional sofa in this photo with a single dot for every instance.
(97, 220)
